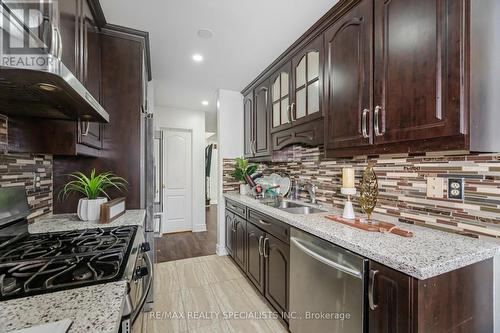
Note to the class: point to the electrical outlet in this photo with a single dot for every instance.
(435, 187)
(456, 188)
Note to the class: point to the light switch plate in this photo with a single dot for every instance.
(435, 187)
(456, 188)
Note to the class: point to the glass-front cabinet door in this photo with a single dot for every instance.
(280, 98)
(307, 70)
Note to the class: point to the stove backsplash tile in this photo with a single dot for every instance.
(35, 173)
(402, 185)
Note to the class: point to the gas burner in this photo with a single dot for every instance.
(40, 263)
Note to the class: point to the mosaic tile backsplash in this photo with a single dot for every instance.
(34, 172)
(402, 186)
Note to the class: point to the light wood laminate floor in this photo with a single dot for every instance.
(207, 294)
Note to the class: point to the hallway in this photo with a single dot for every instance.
(183, 245)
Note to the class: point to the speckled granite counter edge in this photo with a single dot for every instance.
(67, 222)
(395, 262)
(95, 308)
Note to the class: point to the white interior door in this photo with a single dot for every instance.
(177, 181)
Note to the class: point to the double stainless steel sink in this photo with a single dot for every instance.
(293, 207)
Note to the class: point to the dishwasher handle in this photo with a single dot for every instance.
(353, 272)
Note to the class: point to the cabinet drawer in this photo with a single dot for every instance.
(275, 227)
(236, 208)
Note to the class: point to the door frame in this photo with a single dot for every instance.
(191, 190)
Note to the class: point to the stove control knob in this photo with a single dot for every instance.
(145, 247)
(141, 272)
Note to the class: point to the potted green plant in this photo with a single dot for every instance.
(243, 169)
(93, 189)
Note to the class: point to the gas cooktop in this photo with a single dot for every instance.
(33, 264)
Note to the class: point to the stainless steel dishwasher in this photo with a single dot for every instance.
(327, 287)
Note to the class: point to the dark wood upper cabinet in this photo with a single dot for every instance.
(68, 29)
(90, 134)
(248, 130)
(255, 256)
(307, 77)
(261, 129)
(417, 69)
(281, 87)
(348, 82)
(239, 242)
(277, 268)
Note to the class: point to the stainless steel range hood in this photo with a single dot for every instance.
(34, 82)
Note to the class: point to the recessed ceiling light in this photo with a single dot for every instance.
(205, 33)
(197, 57)
(204, 103)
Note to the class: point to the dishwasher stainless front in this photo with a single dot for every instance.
(327, 287)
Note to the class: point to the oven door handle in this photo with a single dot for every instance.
(140, 305)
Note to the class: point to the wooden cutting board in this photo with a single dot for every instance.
(378, 226)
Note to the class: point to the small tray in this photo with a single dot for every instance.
(375, 226)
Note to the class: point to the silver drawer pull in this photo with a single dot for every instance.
(326, 261)
(264, 222)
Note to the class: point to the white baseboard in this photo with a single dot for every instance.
(221, 250)
(199, 228)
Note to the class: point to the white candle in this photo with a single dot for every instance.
(348, 178)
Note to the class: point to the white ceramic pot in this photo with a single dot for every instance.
(243, 189)
(90, 209)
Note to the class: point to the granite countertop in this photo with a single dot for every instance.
(67, 222)
(427, 254)
(95, 308)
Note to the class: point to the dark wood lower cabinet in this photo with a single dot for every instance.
(391, 300)
(277, 267)
(229, 232)
(239, 242)
(255, 257)
(458, 301)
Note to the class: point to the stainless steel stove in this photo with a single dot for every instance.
(32, 264)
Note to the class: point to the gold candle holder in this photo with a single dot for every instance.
(369, 190)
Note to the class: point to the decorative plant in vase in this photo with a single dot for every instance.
(242, 171)
(93, 188)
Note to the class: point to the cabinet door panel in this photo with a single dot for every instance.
(277, 270)
(68, 26)
(229, 232)
(248, 124)
(239, 245)
(261, 102)
(348, 46)
(255, 258)
(280, 87)
(307, 70)
(392, 297)
(418, 70)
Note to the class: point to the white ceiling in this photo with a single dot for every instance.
(248, 36)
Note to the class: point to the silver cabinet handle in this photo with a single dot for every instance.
(235, 224)
(364, 123)
(377, 125)
(326, 261)
(264, 222)
(289, 112)
(371, 287)
(260, 245)
(86, 126)
(294, 112)
(266, 255)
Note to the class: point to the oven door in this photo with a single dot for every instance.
(139, 287)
